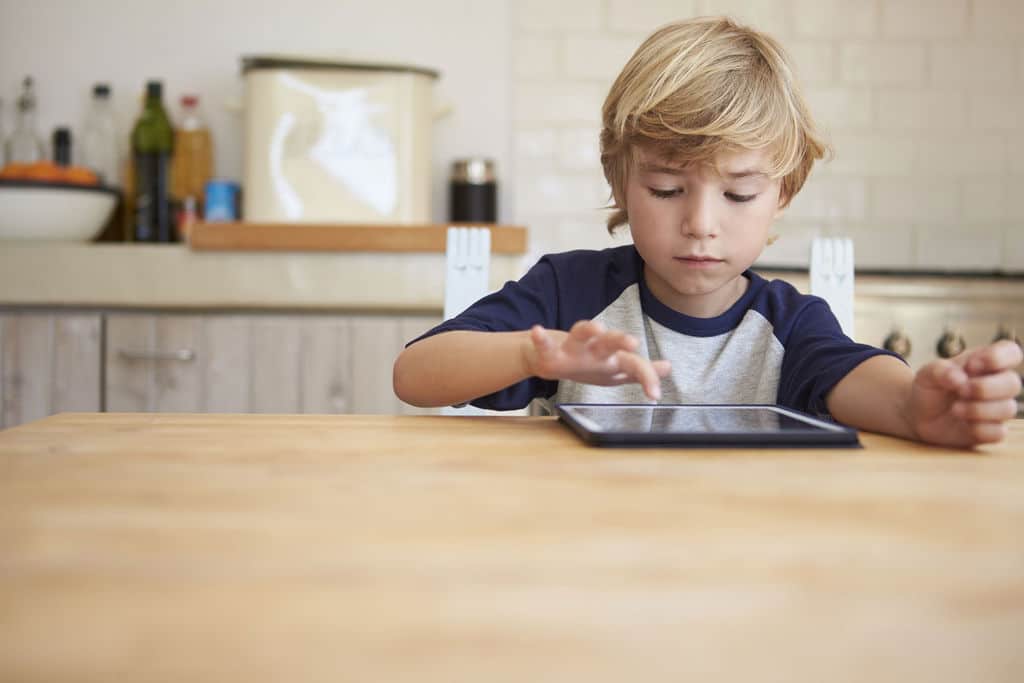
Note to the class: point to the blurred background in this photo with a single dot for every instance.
(922, 99)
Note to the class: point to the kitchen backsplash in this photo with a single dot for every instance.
(923, 101)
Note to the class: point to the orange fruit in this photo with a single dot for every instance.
(14, 171)
(44, 170)
(80, 175)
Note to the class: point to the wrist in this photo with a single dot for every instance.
(527, 355)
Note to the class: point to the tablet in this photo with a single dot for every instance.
(702, 426)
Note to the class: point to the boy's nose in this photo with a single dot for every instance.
(698, 221)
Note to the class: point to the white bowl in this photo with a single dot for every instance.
(53, 211)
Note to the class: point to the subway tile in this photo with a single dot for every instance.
(959, 246)
(881, 245)
(924, 18)
(882, 63)
(1015, 150)
(769, 16)
(835, 18)
(1013, 247)
(972, 64)
(830, 199)
(998, 19)
(872, 155)
(996, 111)
(976, 155)
(920, 109)
(814, 62)
(597, 57)
(839, 108)
(905, 200)
(646, 16)
(579, 148)
(537, 56)
(587, 231)
(984, 199)
(559, 102)
(535, 146)
(1013, 199)
(792, 249)
(560, 193)
(543, 15)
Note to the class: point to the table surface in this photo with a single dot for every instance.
(165, 547)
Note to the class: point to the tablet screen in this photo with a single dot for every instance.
(701, 425)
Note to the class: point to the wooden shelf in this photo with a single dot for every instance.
(505, 239)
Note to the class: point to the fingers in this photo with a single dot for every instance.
(986, 411)
(1001, 385)
(998, 356)
(942, 374)
(642, 371)
(987, 432)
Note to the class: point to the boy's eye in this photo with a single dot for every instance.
(664, 194)
(739, 197)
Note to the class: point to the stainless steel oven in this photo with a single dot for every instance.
(923, 317)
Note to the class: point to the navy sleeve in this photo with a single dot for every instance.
(533, 300)
(817, 356)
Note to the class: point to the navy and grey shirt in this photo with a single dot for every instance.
(774, 345)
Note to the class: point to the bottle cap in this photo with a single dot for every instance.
(101, 90)
(475, 170)
(189, 100)
(27, 99)
(154, 89)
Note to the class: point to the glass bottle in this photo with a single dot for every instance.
(99, 149)
(62, 146)
(192, 166)
(24, 145)
(152, 147)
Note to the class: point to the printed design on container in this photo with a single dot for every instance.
(348, 146)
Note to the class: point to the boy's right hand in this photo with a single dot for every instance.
(592, 354)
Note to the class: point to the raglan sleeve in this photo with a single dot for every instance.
(817, 356)
(532, 300)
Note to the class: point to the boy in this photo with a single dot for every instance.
(705, 141)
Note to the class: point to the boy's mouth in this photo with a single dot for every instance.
(698, 259)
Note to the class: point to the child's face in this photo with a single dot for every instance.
(699, 227)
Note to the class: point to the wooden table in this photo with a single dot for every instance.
(141, 547)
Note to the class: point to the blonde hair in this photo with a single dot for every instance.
(699, 87)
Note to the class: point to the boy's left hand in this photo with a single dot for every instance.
(965, 400)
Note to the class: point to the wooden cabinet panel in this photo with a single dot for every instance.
(326, 361)
(275, 360)
(49, 363)
(256, 363)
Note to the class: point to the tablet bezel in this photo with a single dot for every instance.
(825, 434)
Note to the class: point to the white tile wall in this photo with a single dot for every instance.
(923, 101)
(924, 18)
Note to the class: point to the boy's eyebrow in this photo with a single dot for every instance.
(654, 167)
(746, 173)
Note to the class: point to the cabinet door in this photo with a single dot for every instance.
(256, 363)
(49, 363)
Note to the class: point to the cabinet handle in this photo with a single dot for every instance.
(181, 355)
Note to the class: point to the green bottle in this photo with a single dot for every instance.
(152, 147)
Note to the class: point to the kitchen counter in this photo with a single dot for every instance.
(371, 548)
(172, 276)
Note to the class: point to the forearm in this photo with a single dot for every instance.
(456, 367)
(875, 397)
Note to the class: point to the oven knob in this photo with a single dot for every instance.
(950, 344)
(898, 343)
(1006, 333)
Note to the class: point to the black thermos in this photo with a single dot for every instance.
(474, 192)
